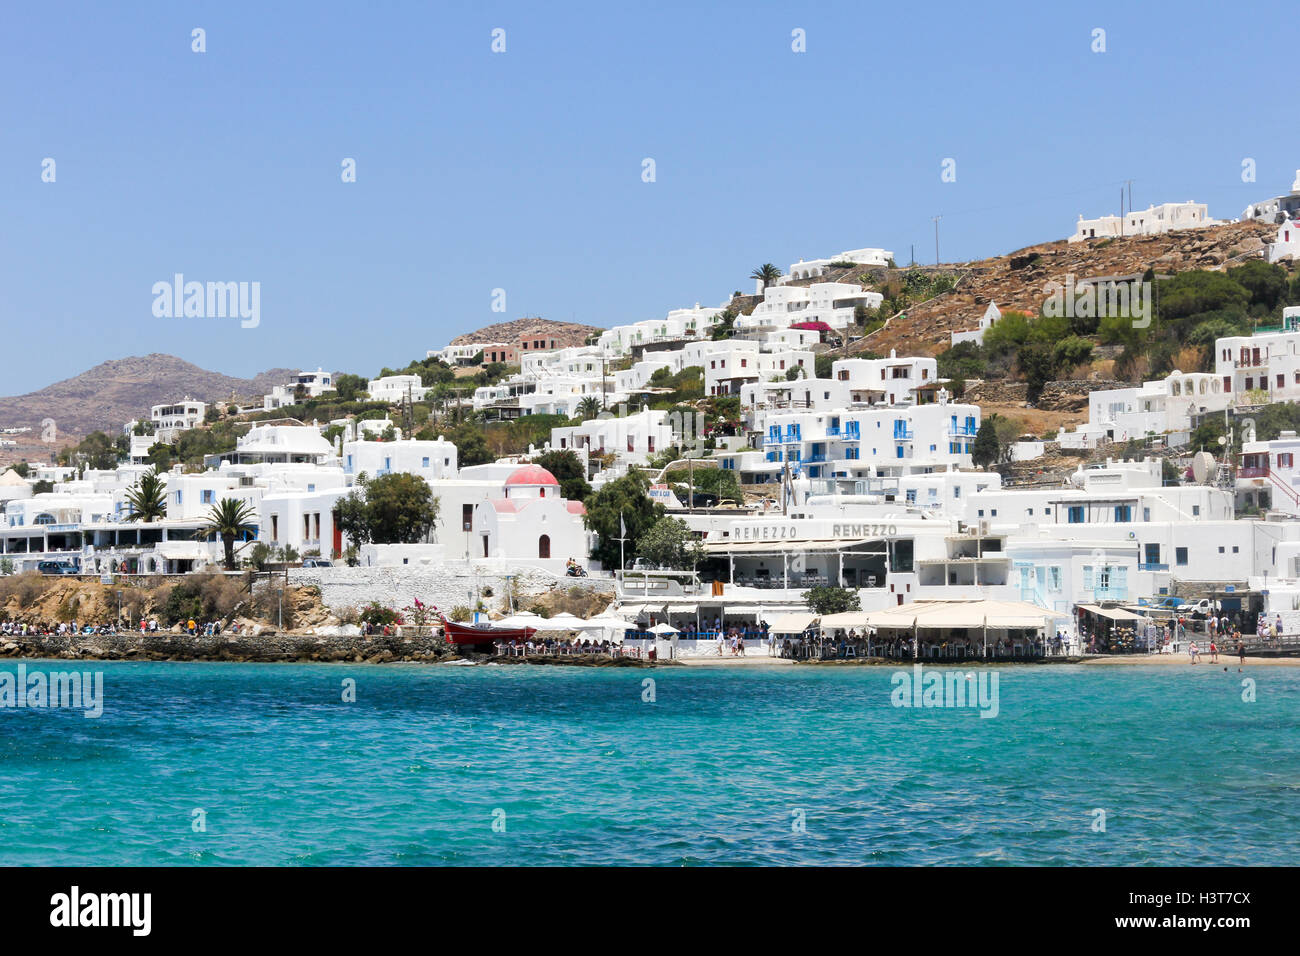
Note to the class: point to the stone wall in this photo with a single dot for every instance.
(994, 393)
(1073, 396)
(443, 585)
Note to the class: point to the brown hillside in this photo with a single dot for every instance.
(114, 392)
(1016, 281)
(567, 334)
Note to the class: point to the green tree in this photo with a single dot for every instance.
(669, 543)
(471, 445)
(349, 387)
(588, 408)
(147, 498)
(985, 451)
(567, 468)
(1267, 284)
(767, 273)
(229, 519)
(832, 600)
(624, 496)
(1037, 366)
(400, 508)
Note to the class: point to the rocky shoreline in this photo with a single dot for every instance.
(263, 647)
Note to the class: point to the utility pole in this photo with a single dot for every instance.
(936, 238)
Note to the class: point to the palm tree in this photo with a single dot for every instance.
(229, 519)
(589, 407)
(147, 497)
(766, 274)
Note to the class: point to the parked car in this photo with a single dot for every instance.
(1204, 607)
(57, 567)
(318, 563)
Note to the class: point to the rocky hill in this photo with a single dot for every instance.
(114, 392)
(566, 334)
(1016, 281)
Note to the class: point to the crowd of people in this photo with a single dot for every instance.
(47, 629)
(557, 648)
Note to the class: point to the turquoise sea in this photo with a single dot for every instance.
(575, 767)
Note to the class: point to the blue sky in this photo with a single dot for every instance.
(522, 170)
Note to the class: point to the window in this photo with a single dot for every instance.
(424, 462)
(1152, 553)
(1180, 556)
(544, 546)
(1146, 514)
(1075, 514)
(466, 517)
(1123, 513)
(207, 496)
(1196, 509)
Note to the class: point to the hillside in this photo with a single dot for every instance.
(1017, 280)
(114, 392)
(566, 334)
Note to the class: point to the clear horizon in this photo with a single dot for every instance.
(523, 170)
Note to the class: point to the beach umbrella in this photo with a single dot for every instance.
(663, 630)
(564, 622)
(522, 619)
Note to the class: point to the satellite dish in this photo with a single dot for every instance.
(1222, 440)
(1202, 467)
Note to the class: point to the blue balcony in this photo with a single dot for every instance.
(1153, 567)
(904, 434)
(816, 457)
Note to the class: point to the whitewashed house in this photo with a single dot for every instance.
(396, 388)
(1152, 221)
(976, 335)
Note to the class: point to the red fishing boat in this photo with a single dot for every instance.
(480, 634)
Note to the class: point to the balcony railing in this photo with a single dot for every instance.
(1253, 472)
(1153, 567)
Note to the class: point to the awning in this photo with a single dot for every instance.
(845, 620)
(792, 623)
(1114, 613)
(739, 611)
(681, 608)
(963, 614)
(181, 550)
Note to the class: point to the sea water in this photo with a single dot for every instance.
(332, 764)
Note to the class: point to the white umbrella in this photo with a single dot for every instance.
(565, 622)
(663, 629)
(523, 619)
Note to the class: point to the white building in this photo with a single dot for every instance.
(396, 388)
(813, 268)
(832, 303)
(278, 443)
(976, 335)
(1278, 208)
(1264, 368)
(301, 386)
(431, 460)
(632, 439)
(1287, 245)
(175, 417)
(1166, 217)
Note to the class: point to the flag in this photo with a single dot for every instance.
(622, 528)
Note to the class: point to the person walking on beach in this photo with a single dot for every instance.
(1241, 651)
(1214, 652)
(721, 644)
(1195, 652)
